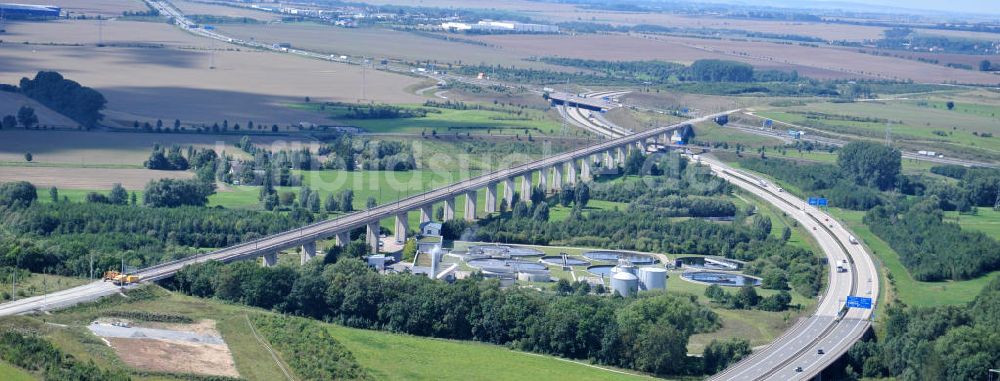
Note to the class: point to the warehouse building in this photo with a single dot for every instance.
(12, 11)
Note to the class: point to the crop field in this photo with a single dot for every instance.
(920, 122)
(11, 102)
(92, 7)
(204, 8)
(374, 42)
(818, 62)
(174, 81)
(115, 149)
(448, 121)
(122, 33)
(87, 178)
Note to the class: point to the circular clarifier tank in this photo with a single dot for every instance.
(558, 260)
(720, 278)
(614, 256)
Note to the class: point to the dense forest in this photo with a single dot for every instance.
(931, 249)
(60, 237)
(648, 333)
(935, 343)
(80, 103)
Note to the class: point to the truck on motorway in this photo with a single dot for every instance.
(854, 241)
(762, 183)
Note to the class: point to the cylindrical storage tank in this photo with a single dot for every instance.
(653, 278)
(625, 284)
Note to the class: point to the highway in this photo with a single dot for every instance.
(795, 354)
(827, 329)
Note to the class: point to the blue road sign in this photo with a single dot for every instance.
(208, 27)
(822, 202)
(768, 123)
(859, 302)
(813, 200)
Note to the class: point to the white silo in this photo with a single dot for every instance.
(652, 278)
(624, 283)
(435, 258)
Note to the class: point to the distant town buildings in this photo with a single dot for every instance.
(488, 26)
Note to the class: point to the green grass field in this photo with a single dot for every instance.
(927, 123)
(985, 220)
(401, 357)
(11, 373)
(448, 121)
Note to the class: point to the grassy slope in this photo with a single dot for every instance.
(11, 373)
(401, 357)
(37, 284)
(389, 356)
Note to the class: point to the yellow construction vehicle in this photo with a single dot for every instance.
(110, 275)
(120, 279)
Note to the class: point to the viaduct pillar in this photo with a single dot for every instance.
(470, 205)
(557, 178)
(270, 259)
(491, 198)
(426, 212)
(372, 235)
(526, 187)
(508, 191)
(449, 209)
(308, 252)
(402, 222)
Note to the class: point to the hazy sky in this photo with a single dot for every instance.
(963, 6)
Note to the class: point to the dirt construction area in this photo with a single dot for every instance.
(187, 348)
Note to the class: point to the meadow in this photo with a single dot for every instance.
(920, 123)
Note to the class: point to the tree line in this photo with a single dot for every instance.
(930, 248)
(933, 343)
(648, 333)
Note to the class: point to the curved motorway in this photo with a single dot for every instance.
(796, 354)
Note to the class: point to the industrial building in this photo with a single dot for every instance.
(28, 11)
(489, 26)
